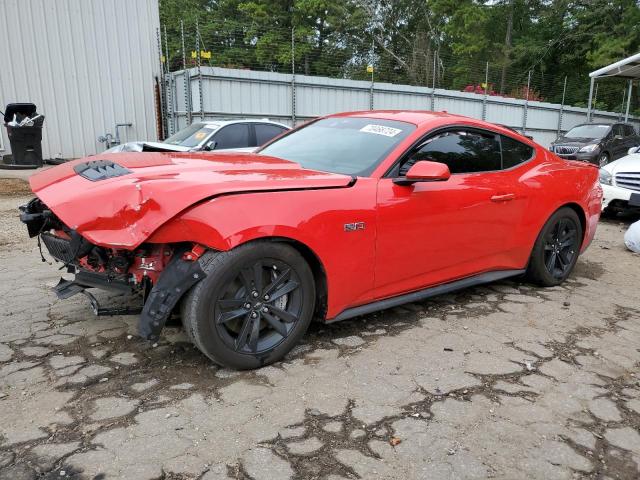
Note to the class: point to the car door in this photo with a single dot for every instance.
(235, 135)
(434, 232)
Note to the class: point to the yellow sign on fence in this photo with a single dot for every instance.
(203, 54)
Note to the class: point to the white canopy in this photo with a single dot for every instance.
(629, 68)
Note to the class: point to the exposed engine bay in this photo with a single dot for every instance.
(158, 274)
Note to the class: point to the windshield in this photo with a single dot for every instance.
(588, 131)
(347, 145)
(192, 136)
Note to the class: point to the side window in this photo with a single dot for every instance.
(232, 136)
(514, 152)
(629, 131)
(265, 132)
(617, 130)
(463, 152)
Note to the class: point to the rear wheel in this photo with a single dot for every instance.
(556, 250)
(254, 305)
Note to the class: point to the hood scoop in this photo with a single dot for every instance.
(96, 170)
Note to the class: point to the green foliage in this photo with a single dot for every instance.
(446, 42)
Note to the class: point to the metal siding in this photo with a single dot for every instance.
(88, 65)
(246, 93)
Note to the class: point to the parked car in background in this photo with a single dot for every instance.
(597, 143)
(343, 216)
(239, 135)
(620, 182)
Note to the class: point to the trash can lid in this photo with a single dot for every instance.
(28, 109)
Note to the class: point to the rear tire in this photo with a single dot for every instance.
(556, 250)
(254, 305)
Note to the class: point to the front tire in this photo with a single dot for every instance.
(556, 250)
(254, 305)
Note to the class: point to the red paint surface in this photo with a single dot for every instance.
(415, 236)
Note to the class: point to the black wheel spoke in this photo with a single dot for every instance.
(226, 303)
(225, 317)
(241, 341)
(568, 238)
(284, 276)
(255, 334)
(285, 316)
(551, 262)
(288, 287)
(561, 263)
(277, 325)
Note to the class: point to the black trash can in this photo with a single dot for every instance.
(25, 141)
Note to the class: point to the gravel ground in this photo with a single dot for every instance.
(502, 381)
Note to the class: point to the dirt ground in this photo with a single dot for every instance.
(503, 381)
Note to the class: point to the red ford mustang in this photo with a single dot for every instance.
(348, 214)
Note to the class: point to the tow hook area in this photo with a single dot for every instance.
(180, 274)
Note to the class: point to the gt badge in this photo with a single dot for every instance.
(352, 227)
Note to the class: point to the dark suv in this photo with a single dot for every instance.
(598, 143)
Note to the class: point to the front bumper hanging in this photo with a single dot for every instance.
(177, 278)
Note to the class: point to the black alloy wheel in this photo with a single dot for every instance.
(560, 248)
(556, 249)
(254, 305)
(260, 307)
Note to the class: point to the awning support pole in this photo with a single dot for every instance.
(626, 115)
(590, 96)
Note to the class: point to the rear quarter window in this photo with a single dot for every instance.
(265, 132)
(514, 152)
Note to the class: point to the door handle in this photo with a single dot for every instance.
(506, 197)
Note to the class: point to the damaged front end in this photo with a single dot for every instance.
(159, 274)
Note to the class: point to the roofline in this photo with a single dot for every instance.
(431, 113)
(606, 71)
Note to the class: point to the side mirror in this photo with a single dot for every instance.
(633, 150)
(425, 171)
(618, 137)
(210, 146)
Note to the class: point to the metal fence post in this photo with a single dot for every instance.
(433, 86)
(372, 70)
(561, 111)
(162, 92)
(187, 80)
(199, 64)
(486, 88)
(526, 106)
(293, 77)
(626, 115)
(167, 85)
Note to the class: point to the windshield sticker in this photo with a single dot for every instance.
(381, 130)
(200, 135)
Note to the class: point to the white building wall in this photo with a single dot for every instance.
(86, 64)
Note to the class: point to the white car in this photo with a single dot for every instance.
(238, 135)
(620, 182)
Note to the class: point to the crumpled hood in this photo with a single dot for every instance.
(151, 188)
